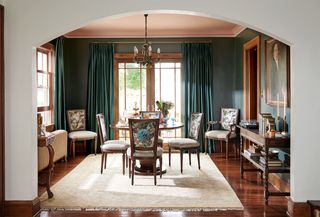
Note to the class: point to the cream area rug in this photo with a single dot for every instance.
(194, 190)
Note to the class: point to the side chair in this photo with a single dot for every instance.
(77, 128)
(190, 143)
(144, 145)
(110, 146)
(226, 132)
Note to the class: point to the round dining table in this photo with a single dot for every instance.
(146, 167)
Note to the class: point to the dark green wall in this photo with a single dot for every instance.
(77, 57)
(227, 68)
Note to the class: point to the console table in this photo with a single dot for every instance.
(265, 142)
(46, 141)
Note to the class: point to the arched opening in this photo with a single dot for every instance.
(227, 47)
(303, 84)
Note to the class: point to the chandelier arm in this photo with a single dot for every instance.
(145, 28)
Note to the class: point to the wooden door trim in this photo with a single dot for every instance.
(2, 126)
(255, 42)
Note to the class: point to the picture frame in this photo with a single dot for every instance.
(76, 119)
(277, 61)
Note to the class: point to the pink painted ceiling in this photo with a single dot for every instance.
(159, 25)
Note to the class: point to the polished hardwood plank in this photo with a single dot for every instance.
(249, 190)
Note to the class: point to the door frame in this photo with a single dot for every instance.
(255, 42)
(2, 117)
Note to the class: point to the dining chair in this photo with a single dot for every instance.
(143, 145)
(191, 143)
(77, 129)
(110, 146)
(226, 131)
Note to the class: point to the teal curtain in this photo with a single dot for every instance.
(59, 88)
(197, 85)
(100, 97)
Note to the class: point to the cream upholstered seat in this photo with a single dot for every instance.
(220, 134)
(110, 146)
(77, 128)
(191, 143)
(144, 145)
(227, 128)
(145, 153)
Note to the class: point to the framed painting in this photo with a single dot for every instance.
(277, 59)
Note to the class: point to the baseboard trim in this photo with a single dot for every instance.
(300, 209)
(25, 208)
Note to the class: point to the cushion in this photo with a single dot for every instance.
(145, 153)
(183, 143)
(219, 134)
(114, 145)
(82, 135)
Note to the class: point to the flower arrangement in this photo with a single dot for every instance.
(164, 107)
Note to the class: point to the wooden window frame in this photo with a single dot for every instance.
(150, 78)
(49, 50)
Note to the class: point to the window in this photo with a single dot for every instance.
(168, 88)
(140, 87)
(45, 83)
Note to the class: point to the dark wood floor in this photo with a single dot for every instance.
(249, 191)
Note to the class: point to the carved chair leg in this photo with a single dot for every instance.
(132, 169)
(73, 148)
(105, 160)
(102, 156)
(189, 157)
(123, 163)
(227, 149)
(129, 168)
(169, 156)
(198, 156)
(206, 145)
(95, 145)
(220, 146)
(181, 160)
(126, 160)
(155, 171)
(160, 167)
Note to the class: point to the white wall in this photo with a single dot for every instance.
(30, 23)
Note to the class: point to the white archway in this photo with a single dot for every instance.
(30, 23)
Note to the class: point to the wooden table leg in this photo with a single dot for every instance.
(50, 169)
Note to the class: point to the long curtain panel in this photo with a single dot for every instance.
(59, 88)
(100, 97)
(197, 84)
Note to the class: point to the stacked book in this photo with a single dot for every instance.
(253, 155)
(271, 162)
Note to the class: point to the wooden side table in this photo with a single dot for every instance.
(46, 141)
(314, 207)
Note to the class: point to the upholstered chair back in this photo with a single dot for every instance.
(150, 114)
(144, 134)
(195, 125)
(102, 128)
(229, 116)
(76, 119)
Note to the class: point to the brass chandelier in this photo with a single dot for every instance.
(145, 56)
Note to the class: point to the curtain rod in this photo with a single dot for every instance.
(153, 42)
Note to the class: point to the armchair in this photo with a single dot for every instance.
(226, 131)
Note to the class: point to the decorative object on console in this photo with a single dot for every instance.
(41, 131)
(145, 57)
(250, 124)
(266, 121)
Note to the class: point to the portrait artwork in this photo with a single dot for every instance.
(277, 73)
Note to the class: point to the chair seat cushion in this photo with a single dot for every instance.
(114, 145)
(219, 134)
(145, 154)
(183, 143)
(82, 135)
